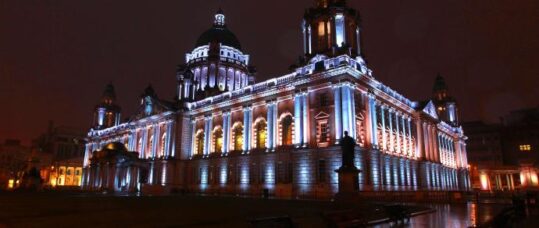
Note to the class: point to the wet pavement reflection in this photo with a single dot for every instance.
(454, 215)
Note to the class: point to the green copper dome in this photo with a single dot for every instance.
(221, 35)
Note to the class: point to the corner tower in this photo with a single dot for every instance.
(107, 113)
(446, 106)
(331, 29)
(217, 64)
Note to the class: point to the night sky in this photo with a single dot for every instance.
(56, 56)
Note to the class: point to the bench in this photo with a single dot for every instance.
(398, 213)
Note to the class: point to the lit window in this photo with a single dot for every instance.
(199, 143)
(321, 29)
(286, 128)
(322, 133)
(218, 140)
(261, 134)
(324, 130)
(237, 131)
(339, 27)
(526, 147)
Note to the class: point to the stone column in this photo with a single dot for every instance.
(434, 132)
(440, 148)
(432, 143)
(419, 149)
(168, 132)
(353, 128)
(130, 141)
(269, 128)
(144, 143)
(411, 149)
(247, 127)
(338, 121)
(275, 123)
(404, 137)
(384, 134)
(298, 123)
(358, 42)
(305, 118)
(391, 136)
(226, 132)
(374, 121)
(309, 38)
(193, 138)
(87, 152)
(398, 133)
(172, 139)
(156, 135)
(426, 141)
(348, 110)
(207, 134)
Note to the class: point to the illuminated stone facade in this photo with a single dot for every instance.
(226, 134)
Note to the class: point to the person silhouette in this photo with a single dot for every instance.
(348, 145)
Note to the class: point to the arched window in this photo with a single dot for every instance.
(261, 133)
(286, 130)
(360, 130)
(237, 136)
(199, 143)
(163, 143)
(149, 148)
(218, 140)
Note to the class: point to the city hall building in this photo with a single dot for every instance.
(226, 133)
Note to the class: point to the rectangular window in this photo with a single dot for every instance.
(321, 171)
(324, 132)
(526, 147)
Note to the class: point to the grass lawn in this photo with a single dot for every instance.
(90, 210)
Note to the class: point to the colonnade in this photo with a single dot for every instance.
(396, 131)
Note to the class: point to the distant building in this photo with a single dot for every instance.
(59, 156)
(484, 143)
(13, 162)
(505, 156)
(227, 134)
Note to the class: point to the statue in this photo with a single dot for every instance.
(348, 145)
(348, 172)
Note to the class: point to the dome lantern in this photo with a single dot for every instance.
(219, 18)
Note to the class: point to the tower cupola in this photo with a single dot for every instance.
(446, 106)
(331, 29)
(107, 113)
(217, 64)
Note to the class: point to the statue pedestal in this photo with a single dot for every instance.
(348, 184)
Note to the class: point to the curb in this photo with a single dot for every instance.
(384, 220)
